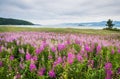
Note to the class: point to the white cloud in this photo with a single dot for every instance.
(58, 11)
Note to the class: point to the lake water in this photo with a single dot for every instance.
(55, 26)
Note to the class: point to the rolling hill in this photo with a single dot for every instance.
(102, 23)
(10, 21)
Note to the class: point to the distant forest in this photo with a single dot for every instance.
(9, 21)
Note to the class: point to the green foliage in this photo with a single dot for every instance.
(110, 24)
(113, 29)
(59, 30)
(5, 21)
(77, 47)
(76, 70)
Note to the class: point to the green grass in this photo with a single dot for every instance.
(58, 30)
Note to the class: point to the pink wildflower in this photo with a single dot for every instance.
(108, 69)
(70, 58)
(11, 57)
(41, 71)
(87, 48)
(98, 49)
(1, 63)
(79, 57)
(53, 49)
(28, 56)
(34, 58)
(61, 47)
(51, 74)
(32, 66)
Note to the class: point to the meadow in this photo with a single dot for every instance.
(58, 30)
(59, 53)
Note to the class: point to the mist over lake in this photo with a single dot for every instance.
(58, 26)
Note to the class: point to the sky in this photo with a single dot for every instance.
(48, 12)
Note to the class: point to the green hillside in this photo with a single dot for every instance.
(9, 21)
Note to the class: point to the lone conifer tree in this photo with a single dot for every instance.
(110, 24)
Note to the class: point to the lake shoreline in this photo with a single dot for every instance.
(55, 26)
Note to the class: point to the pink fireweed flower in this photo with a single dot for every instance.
(41, 71)
(58, 61)
(44, 44)
(77, 41)
(50, 57)
(1, 63)
(21, 51)
(21, 59)
(51, 74)
(92, 46)
(32, 66)
(118, 70)
(64, 64)
(61, 47)
(11, 57)
(53, 49)
(42, 47)
(0, 48)
(119, 51)
(39, 50)
(87, 48)
(70, 58)
(91, 63)
(35, 58)
(68, 41)
(22, 66)
(108, 69)
(112, 51)
(64, 58)
(108, 66)
(98, 49)
(79, 57)
(82, 51)
(28, 56)
(17, 42)
(17, 76)
(54, 64)
(85, 55)
(108, 74)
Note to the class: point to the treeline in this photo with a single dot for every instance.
(9, 21)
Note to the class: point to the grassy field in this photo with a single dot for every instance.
(59, 30)
(59, 53)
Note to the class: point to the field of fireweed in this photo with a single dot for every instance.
(46, 55)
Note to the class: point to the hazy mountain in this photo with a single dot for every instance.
(102, 23)
(10, 21)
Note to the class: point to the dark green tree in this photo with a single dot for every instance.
(110, 24)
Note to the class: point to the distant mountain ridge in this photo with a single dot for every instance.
(10, 21)
(102, 23)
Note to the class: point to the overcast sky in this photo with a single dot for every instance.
(59, 11)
